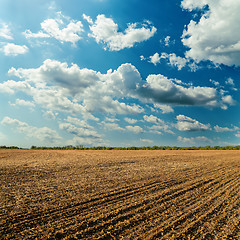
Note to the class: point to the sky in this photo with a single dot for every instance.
(119, 73)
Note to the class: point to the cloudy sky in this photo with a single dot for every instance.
(119, 73)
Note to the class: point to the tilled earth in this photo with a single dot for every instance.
(84, 194)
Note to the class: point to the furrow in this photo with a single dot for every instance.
(126, 215)
(193, 226)
(172, 223)
(44, 219)
(158, 210)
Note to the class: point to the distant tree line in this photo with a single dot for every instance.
(81, 147)
(140, 148)
(10, 147)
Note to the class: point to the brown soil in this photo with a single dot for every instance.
(119, 194)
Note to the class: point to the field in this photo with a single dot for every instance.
(119, 194)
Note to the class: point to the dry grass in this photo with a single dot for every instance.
(119, 194)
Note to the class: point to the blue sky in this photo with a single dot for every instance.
(119, 73)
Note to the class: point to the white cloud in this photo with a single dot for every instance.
(162, 90)
(135, 129)
(44, 134)
(146, 140)
(192, 4)
(130, 120)
(194, 140)
(112, 119)
(78, 122)
(58, 87)
(106, 104)
(29, 34)
(230, 81)
(155, 59)
(164, 108)
(83, 135)
(5, 31)
(153, 119)
(24, 103)
(159, 125)
(105, 30)
(142, 58)
(112, 127)
(62, 28)
(216, 36)
(225, 129)
(186, 140)
(185, 123)
(157, 129)
(80, 132)
(229, 100)
(86, 141)
(167, 40)
(54, 83)
(237, 134)
(50, 115)
(215, 83)
(87, 18)
(174, 60)
(12, 49)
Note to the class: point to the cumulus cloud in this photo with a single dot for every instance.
(185, 123)
(87, 18)
(130, 120)
(135, 129)
(155, 59)
(78, 122)
(83, 133)
(21, 102)
(12, 49)
(50, 115)
(167, 40)
(142, 58)
(80, 132)
(148, 141)
(111, 119)
(112, 127)
(164, 108)
(194, 140)
(237, 134)
(29, 34)
(174, 60)
(62, 28)
(5, 31)
(225, 129)
(215, 83)
(86, 141)
(216, 35)
(159, 125)
(158, 129)
(230, 81)
(57, 86)
(152, 119)
(54, 83)
(162, 90)
(105, 30)
(229, 100)
(192, 4)
(43, 134)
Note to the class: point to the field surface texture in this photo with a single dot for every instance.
(119, 194)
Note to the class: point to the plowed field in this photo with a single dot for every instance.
(119, 194)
